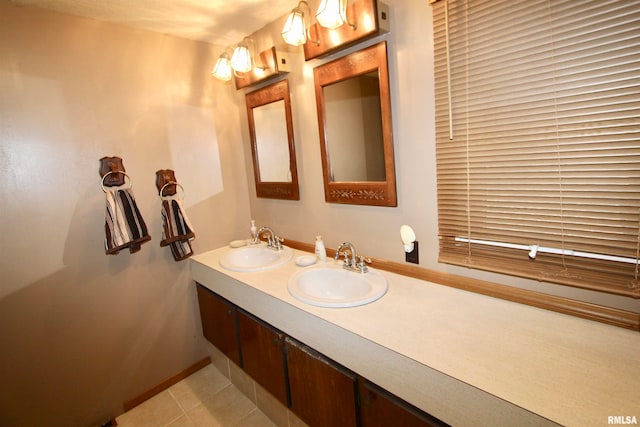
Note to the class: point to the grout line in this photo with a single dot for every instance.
(179, 406)
(186, 414)
(255, 393)
(228, 369)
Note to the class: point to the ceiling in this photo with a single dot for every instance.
(221, 22)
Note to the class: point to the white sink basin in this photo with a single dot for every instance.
(331, 285)
(255, 258)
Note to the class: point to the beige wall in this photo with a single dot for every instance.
(80, 331)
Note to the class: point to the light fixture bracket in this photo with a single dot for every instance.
(273, 64)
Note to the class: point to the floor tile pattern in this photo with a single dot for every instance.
(206, 398)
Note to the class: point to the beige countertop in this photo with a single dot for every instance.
(466, 358)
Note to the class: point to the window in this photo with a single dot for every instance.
(538, 139)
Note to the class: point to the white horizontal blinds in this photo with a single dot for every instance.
(545, 116)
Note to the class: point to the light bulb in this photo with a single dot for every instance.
(408, 237)
(294, 31)
(222, 69)
(332, 13)
(241, 59)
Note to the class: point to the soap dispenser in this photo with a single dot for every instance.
(254, 231)
(321, 252)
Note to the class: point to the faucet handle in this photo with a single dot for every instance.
(362, 263)
(347, 259)
(364, 259)
(340, 253)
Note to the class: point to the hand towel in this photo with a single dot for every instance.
(177, 231)
(124, 226)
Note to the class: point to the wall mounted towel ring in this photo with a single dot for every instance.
(106, 175)
(163, 196)
(111, 164)
(164, 177)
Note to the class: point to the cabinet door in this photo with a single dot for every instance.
(322, 392)
(262, 348)
(219, 323)
(379, 408)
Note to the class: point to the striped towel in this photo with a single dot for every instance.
(177, 231)
(123, 224)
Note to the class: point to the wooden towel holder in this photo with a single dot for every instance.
(166, 183)
(112, 172)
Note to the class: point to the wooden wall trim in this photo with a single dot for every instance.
(599, 313)
(132, 403)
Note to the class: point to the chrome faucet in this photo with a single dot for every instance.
(352, 261)
(273, 241)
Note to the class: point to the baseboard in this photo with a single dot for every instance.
(612, 316)
(132, 403)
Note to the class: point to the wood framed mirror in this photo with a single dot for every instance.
(272, 143)
(354, 120)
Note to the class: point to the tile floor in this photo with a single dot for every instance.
(206, 398)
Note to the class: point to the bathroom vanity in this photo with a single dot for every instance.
(315, 388)
(463, 358)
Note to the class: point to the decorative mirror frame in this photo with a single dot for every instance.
(272, 93)
(375, 193)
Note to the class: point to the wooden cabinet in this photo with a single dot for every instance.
(323, 393)
(262, 348)
(379, 408)
(219, 323)
(318, 390)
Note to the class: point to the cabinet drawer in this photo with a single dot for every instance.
(262, 348)
(379, 408)
(323, 393)
(219, 323)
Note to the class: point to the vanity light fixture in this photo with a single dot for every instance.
(333, 13)
(296, 31)
(241, 60)
(222, 70)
